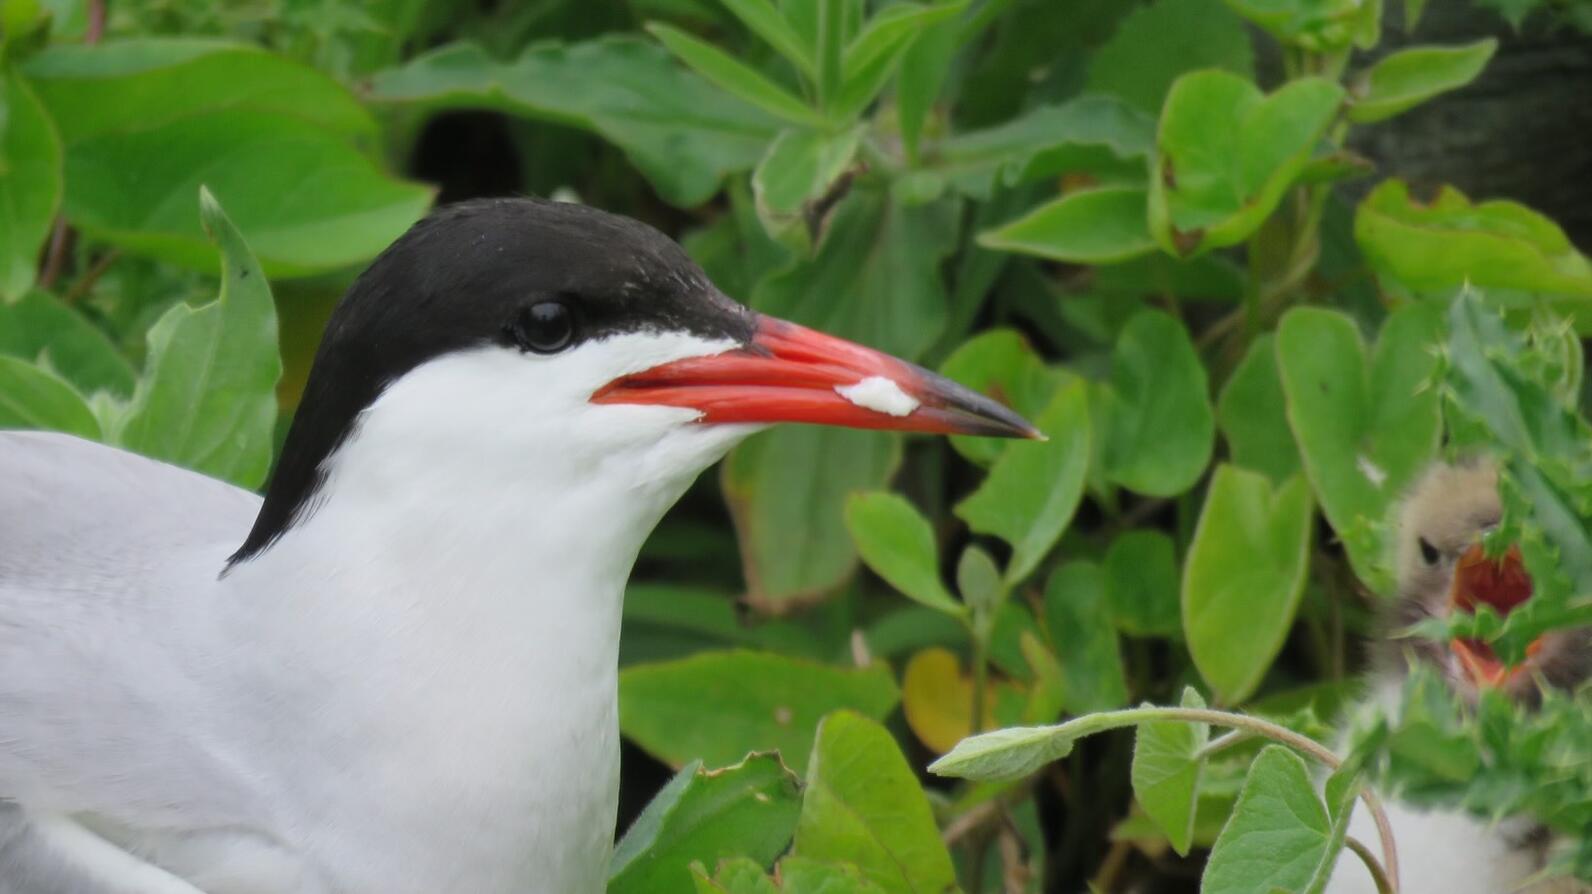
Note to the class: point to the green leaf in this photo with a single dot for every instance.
(1439, 246)
(830, 42)
(1010, 753)
(876, 276)
(1279, 833)
(1244, 576)
(876, 280)
(898, 544)
(1341, 790)
(874, 54)
(1000, 363)
(1093, 132)
(1031, 492)
(145, 123)
(734, 77)
(1156, 43)
(1086, 643)
(682, 133)
(1166, 772)
(718, 706)
(923, 72)
(766, 22)
(1317, 26)
(1365, 426)
(207, 400)
(32, 397)
(748, 810)
(863, 806)
(1142, 584)
(799, 875)
(1159, 425)
(737, 875)
(1093, 226)
(799, 168)
(797, 478)
(30, 184)
(40, 328)
(978, 579)
(1253, 415)
(1406, 79)
(1226, 153)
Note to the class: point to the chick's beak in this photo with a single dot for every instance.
(789, 373)
(1502, 583)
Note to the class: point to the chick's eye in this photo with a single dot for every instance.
(545, 327)
(1429, 553)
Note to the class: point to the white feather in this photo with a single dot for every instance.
(413, 690)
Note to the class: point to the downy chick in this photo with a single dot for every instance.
(1441, 569)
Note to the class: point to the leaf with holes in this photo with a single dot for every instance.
(747, 810)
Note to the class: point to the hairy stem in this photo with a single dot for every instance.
(1383, 884)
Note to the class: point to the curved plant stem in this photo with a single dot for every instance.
(1090, 724)
(1383, 885)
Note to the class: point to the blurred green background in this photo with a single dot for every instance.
(1163, 230)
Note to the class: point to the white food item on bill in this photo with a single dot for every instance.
(880, 395)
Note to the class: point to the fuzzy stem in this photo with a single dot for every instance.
(1378, 876)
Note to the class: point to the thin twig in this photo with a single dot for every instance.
(86, 282)
(1383, 885)
(55, 255)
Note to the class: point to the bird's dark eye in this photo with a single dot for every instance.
(1429, 553)
(545, 327)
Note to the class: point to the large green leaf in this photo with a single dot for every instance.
(1159, 425)
(876, 280)
(1279, 835)
(764, 20)
(1405, 79)
(1244, 576)
(1253, 414)
(1141, 584)
(1166, 772)
(41, 328)
(682, 133)
(863, 806)
(898, 544)
(1365, 426)
(1438, 246)
(1092, 226)
(1032, 491)
(147, 122)
(1087, 133)
(207, 400)
(717, 706)
(1226, 153)
(748, 810)
(30, 183)
(1092, 677)
(1002, 364)
(1159, 41)
(32, 397)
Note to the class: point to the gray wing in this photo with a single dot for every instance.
(108, 563)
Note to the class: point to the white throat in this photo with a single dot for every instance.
(458, 582)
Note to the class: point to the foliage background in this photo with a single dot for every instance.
(1225, 308)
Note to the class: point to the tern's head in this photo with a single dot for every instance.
(1442, 569)
(511, 337)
